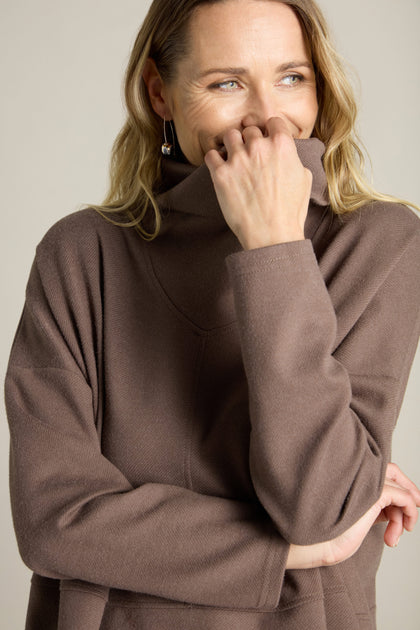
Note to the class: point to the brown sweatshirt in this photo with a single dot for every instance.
(181, 411)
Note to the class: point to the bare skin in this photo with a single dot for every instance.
(238, 108)
(281, 183)
(397, 505)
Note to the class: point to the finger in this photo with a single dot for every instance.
(412, 492)
(409, 524)
(399, 497)
(233, 141)
(395, 527)
(251, 133)
(279, 126)
(395, 473)
(213, 159)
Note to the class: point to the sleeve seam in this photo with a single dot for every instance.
(16, 366)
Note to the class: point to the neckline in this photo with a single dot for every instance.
(189, 189)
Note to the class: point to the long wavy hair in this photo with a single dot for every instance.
(135, 170)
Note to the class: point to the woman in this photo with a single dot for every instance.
(201, 423)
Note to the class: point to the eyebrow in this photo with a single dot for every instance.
(230, 70)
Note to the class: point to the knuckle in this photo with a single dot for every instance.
(210, 157)
(279, 139)
(221, 175)
(250, 129)
(233, 135)
(279, 134)
(392, 471)
(256, 145)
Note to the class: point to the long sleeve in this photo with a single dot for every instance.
(326, 369)
(76, 515)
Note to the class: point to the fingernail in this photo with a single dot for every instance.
(396, 544)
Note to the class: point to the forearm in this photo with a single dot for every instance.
(77, 517)
(320, 436)
(397, 505)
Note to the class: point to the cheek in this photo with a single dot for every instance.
(304, 113)
(312, 107)
(208, 116)
(199, 123)
(189, 116)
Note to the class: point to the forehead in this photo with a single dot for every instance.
(235, 29)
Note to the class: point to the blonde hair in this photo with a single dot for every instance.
(135, 171)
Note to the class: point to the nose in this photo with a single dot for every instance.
(260, 107)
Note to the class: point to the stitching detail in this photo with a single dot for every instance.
(188, 445)
(174, 308)
(120, 602)
(269, 573)
(115, 603)
(84, 591)
(267, 264)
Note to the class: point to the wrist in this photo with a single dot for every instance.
(308, 556)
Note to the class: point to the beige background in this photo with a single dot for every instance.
(62, 62)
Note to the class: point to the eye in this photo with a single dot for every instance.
(226, 86)
(292, 79)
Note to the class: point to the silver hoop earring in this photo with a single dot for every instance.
(167, 147)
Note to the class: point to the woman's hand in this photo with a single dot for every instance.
(397, 505)
(262, 187)
(397, 517)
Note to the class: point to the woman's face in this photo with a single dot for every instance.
(247, 62)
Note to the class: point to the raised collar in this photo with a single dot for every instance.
(189, 189)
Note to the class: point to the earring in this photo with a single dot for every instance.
(167, 147)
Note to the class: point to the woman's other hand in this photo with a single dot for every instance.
(262, 187)
(397, 517)
(397, 505)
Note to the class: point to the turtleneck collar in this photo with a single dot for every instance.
(189, 189)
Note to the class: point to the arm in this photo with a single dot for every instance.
(397, 506)
(322, 414)
(77, 517)
(326, 378)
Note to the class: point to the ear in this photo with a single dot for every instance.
(156, 90)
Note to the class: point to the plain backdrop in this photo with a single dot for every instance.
(62, 63)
